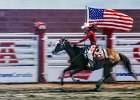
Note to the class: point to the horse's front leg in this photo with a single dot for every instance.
(78, 69)
(62, 78)
(63, 74)
(73, 79)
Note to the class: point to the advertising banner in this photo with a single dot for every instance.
(18, 74)
(121, 73)
(18, 58)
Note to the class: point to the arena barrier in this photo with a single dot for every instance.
(129, 45)
(18, 58)
(55, 64)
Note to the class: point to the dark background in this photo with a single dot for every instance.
(21, 20)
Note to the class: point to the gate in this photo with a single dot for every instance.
(18, 58)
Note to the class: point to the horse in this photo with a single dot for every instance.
(79, 61)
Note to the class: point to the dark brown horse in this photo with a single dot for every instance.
(79, 61)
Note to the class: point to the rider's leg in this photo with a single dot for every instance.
(90, 55)
(91, 51)
(90, 61)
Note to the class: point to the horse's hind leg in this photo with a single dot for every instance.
(106, 74)
(127, 64)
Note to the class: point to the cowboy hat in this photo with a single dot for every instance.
(85, 26)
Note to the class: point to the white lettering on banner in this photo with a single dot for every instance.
(16, 75)
(7, 53)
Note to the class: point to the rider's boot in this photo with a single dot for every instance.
(91, 63)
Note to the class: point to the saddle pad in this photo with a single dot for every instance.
(100, 54)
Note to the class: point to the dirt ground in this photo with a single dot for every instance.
(54, 91)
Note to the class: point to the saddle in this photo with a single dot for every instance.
(99, 54)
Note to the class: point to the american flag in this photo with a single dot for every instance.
(109, 19)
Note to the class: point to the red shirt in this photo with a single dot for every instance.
(89, 35)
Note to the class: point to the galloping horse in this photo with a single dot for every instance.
(79, 61)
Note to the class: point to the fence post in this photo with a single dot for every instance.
(109, 34)
(40, 29)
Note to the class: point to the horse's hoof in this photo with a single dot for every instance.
(96, 89)
(62, 83)
(77, 80)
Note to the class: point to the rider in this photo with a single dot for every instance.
(89, 31)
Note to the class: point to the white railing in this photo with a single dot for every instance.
(129, 45)
(24, 48)
(18, 58)
(126, 43)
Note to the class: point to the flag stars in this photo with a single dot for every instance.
(96, 13)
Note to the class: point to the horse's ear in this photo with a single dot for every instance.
(63, 38)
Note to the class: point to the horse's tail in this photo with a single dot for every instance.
(127, 64)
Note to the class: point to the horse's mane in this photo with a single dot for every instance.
(75, 48)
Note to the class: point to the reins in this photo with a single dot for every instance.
(79, 54)
(74, 57)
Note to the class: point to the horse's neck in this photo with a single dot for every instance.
(70, 51)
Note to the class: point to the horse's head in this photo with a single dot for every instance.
(60, 46)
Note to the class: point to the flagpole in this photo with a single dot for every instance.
(85, 19)
(86, 14)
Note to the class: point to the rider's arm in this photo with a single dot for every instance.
(85, 38)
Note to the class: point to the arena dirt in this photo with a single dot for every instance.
(47, 91)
